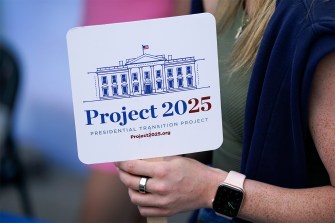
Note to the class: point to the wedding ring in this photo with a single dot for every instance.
(142, 185)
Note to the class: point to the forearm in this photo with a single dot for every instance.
(180, 184)
(267, 203)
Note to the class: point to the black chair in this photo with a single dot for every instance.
(11, 169)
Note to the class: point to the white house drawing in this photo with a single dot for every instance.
(146, 75)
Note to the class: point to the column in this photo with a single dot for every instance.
(141, 80)
(153, 79)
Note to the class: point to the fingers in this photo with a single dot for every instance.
(145, 205)
(158, 173)
(137, 167)
(142, 199)
(133, 182)
(147, 167)
(165, 187)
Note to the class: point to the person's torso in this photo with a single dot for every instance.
(233, 89)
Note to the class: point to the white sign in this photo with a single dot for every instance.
(145, 89)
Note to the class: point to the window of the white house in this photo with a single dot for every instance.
(159, 84)
(104, 79)
(135, 87)
(189, 81)
(169, 71)
(125, 89)
(114, 79)
(105, 91)
(146, 75)
(123, 78)
(115, 90)
(158, 74)
(135, 77)
(188, 70)
(179, 71)
(171, 84)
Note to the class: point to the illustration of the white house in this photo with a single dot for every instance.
(146, 75)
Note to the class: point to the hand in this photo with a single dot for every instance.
(176, 184)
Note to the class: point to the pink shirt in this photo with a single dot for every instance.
(113, 11)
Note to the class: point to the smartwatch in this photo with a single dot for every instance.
(229, 195)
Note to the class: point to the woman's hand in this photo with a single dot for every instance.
(176, 184)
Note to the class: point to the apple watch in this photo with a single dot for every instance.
(229, 195)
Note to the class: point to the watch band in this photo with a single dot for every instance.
(229, 195)
(235, 179)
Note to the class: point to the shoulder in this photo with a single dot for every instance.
(306, 11)
(301, 23)
(320, 10)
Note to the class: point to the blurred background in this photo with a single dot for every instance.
(41, 176)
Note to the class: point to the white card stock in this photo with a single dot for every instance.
(145, 89)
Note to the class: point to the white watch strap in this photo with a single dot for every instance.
(235, 178)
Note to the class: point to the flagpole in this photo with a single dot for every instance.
(144, 47)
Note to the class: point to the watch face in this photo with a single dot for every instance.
(228, 200)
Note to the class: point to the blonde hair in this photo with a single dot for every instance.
(246, 47)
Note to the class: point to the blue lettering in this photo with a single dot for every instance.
(152, 110)
(103, 117)
(121, 117)
(141, 113)
(124, 115)
(89, 116)
(131, 115)
(118, 117)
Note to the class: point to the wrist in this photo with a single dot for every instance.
(217, 177)
(229, 196)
